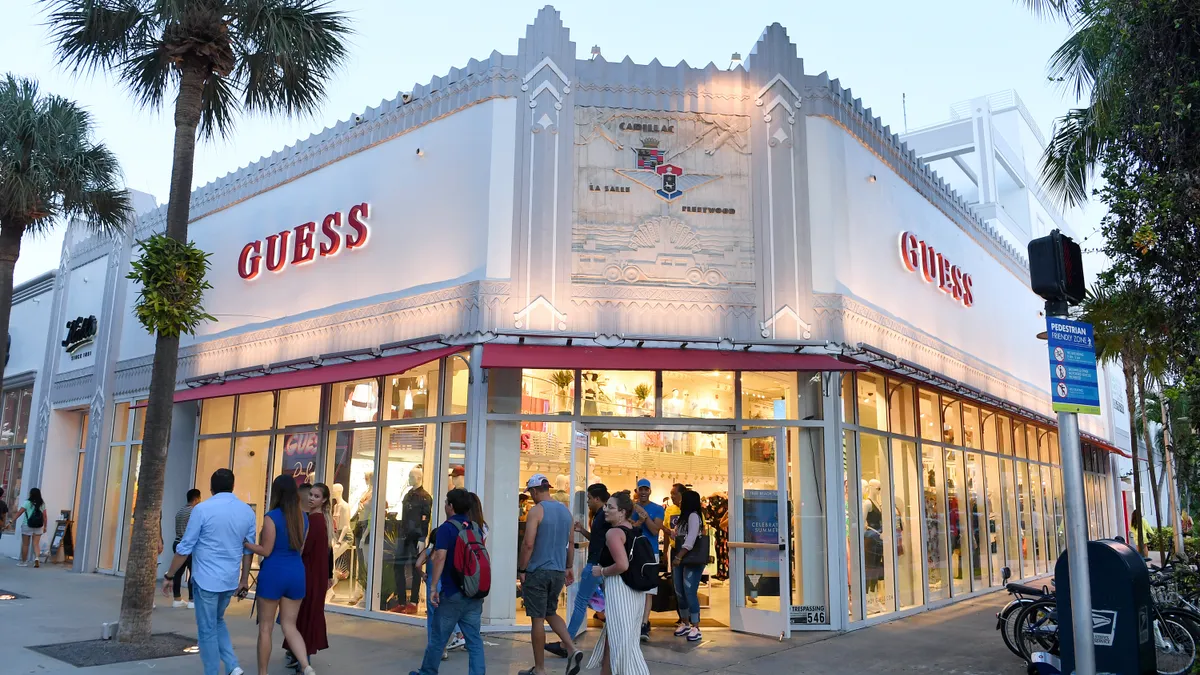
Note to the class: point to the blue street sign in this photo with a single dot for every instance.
(1073, 382)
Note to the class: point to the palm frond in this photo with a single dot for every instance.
(1056, 9)
(1072, 155)
(220, 105)
(98, 34)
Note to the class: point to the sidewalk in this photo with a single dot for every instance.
(64, 607)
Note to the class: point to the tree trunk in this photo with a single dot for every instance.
(1154, 495)
(141, 571)
(1169, 472)
(10, 250)
(1137, 474)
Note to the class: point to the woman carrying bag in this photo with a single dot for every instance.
(691, 557)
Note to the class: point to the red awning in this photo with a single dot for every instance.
(342, 372)
(642, 358)
(1103, 445)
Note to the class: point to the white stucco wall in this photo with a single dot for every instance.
(85, 297)
(29, 325)
(431, 219)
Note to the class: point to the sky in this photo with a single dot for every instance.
(933, 52)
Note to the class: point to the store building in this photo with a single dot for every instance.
(738, 280)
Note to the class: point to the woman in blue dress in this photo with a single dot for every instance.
(281, 581)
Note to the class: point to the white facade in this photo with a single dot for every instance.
(728, 220)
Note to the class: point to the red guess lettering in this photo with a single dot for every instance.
(333, 237)
(277, 250)
(250, 261)
(918, 256)
(280, 250)
(357, 213)
(303, 250)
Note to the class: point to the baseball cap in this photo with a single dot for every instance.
(643, 483)
(537, 480)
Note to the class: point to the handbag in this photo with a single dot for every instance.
(698, 556)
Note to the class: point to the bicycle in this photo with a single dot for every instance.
(1006, 618)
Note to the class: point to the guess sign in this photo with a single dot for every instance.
(936, 268)
(302, 244)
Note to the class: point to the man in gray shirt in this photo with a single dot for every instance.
(545, 564)
(181, 522)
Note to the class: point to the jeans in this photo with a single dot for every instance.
(687, 584)
(177, 584)
(584, 591)
(215, 645)
(455, 610)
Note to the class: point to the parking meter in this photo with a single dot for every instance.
(1122, 629)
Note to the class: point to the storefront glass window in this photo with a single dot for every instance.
(872, 401)
(769, 396)
(296, 454)
(255, 412)
(908, 523)
(212, 454)
(951, 421)
(112, 509)
(250, 472)
(997, 522)
(698, 395)
(810, 587)
(1004, 434)
(620, 393)
(120, 428)
(1025, 527)
(350, 474)
(1055, 451)
(1047, 505)
(1012, 533)
(1036, 516)
(412, 394)
(354, 402)
(936, 523)
(547, 392)
(971, 434)
(876, 513)
(929, 415)
(25, 397)
(900, 399)
(131, 482)
(960, 540)
(977, 533)
(546, 449)
(1031, 442)
(216, 415)
(299, 407)
(457, 385)
(1059, 513)
(854, 494)
(8, 425)
(1019, 440)
(848, 400)
(139, 421)
(409, 507)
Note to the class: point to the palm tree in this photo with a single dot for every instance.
(215, 58)
(50, 168)
(1107, 307)
(1086, 66)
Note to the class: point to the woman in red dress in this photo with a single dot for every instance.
(318, 574)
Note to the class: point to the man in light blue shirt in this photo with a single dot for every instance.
(214, 538)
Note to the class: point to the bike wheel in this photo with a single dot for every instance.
(1037, 628)
(1008, 628)
(1175, 646)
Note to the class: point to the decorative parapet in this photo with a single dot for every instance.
(828, 98)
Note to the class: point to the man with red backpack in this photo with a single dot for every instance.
(461, 563)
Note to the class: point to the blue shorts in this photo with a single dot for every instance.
(281, 581)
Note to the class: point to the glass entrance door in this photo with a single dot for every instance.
(759, 584)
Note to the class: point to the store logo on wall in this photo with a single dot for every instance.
(668, 181)
(80, 333)
(919, 256)
(299, 246)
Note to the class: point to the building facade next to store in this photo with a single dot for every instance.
(735, 280)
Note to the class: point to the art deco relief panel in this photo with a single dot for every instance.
(662, 221)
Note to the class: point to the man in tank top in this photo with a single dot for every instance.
(544, 566)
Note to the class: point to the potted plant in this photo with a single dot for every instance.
(641, 393)
(562, 381)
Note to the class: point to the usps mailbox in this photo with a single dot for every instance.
(1121, 614)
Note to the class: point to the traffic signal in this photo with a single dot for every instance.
(1056, 268)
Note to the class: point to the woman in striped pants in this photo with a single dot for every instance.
(619, 651)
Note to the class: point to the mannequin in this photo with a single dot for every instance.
(362, 531)
(562, 486)
(340, 509)
(458, 478)
(872, 534)
(416, 508)
(360, 407)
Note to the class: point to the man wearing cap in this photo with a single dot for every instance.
(544, 566)
(650, 515)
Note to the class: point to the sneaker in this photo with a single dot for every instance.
(445, 655)
(23, 563)
(646, 632)
(178, 603)
(694, 634)
(556, 649)
(309, 671)
(237, 671)
(191, 605)
(574, 662)
(682, 629)
(456, 642)
(37, 563)
(290, 661)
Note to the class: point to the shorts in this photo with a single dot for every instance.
(281, 581)
(30, 531)
(541, 591)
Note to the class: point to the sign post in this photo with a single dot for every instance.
(1056, 274)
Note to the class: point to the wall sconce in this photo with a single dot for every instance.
(871, 178)
(420, 152)
(735, 60)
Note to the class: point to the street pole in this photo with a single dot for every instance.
(1077, 539)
